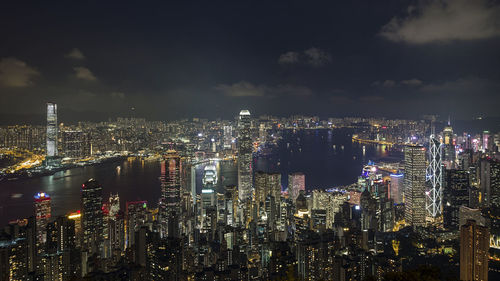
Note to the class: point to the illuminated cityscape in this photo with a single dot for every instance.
(243, 140)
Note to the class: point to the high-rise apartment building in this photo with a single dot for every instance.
(414, 185)
(92, 216)
(474, 246)
(51, 129)
(75, 144)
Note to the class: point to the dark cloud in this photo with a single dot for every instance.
(289, 58)
(371, 99)
(385, 83)
(412, 82)
(242, 89)
(444, 21)
(16, 73)
(75, 54)
(84, 73)
(391, 83)
(119, 95)
(317, 57)
(312, 56)
(246, 89)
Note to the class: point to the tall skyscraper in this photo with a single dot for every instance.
(474, 246)
(170, 190)
(244, 157)
(490, 183)
(456, 194)
(137, 216)
(92, 216)
(449, 147)
(267, 184)
(414, 185)
(434, 198)
(296, 183)
(486, 141)
(396, 188)
(42, 215)
(228, 137)
(51, 129)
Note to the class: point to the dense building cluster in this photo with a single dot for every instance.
(440, 204)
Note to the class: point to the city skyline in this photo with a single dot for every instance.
(250, 140)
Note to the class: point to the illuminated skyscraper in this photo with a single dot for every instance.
(42, 213)
(474, 246)
(92, 216)
(449, 147)
(396, 188)
(137, 216)
(414, 185)
(490, 183)
(434, 193)
(455, 195)
(296, 183)
(486, 141)
(51, 129)
(228, 137)
(244, 157)
(170, 190)
(267, 184)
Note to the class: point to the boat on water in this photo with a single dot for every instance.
(16, 195)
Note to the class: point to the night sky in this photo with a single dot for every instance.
(167, 60)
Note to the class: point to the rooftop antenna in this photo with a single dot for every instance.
(433, 129)
(449, 123)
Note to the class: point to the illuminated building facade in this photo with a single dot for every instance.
(486, 141)
(414, 185)
(267, 184)
(244, 157)
(170, 200)
(474, 246)
(92, 216)
(75, 144)
(490, 183)
(396, 188)
(42, 214)
(51, 129)
(137, 216)
(228, 137)
(296, 183)
(456, 194)
(449, 147)
(434, 193)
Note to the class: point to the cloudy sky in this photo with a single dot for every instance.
(172, 59)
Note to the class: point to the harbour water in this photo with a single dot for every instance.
(327, 157)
